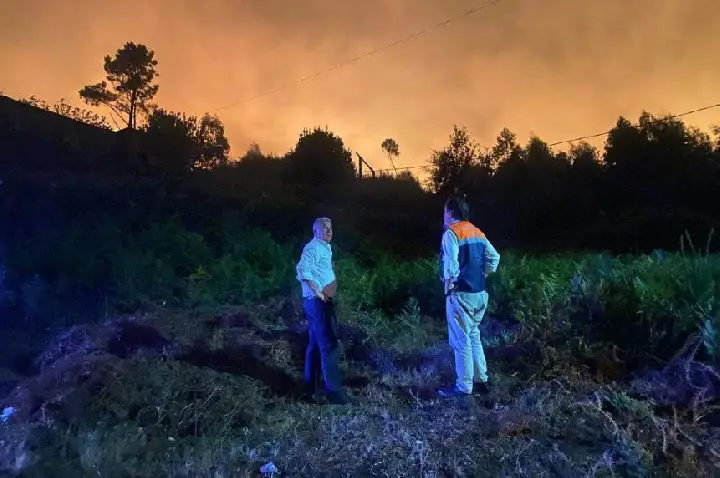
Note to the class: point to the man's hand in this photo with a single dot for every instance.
(330, 289)
(318, 293)
(448, 286)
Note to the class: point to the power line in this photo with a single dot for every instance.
(363, 55)
(597, 135)
(590, 136)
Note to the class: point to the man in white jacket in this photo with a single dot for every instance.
(467, 257)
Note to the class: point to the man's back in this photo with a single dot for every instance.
(475, 255)
(467, 257)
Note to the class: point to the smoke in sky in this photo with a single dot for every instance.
(555, 68)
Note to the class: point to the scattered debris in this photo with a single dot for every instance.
(7, 413)
(268, 468)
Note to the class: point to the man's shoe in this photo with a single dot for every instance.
(306, 392)
(481, 387)
(336, 398)
(452, 392)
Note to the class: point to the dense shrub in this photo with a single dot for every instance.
(646, 304)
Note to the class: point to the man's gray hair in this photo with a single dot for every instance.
(320, 220)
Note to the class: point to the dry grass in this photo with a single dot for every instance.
(214, 394)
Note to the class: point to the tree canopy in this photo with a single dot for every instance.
(128, 87)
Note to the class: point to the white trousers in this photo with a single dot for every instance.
(465, 311)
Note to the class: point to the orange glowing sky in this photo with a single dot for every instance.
(556, 68)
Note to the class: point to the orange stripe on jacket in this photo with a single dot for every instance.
(466, 232)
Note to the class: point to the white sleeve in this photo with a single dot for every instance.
(450, 251)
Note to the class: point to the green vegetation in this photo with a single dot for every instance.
(201, 379)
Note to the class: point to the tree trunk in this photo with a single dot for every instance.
(132, 123)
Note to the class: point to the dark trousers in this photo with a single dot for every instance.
(323, 349)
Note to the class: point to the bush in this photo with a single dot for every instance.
(643, 305)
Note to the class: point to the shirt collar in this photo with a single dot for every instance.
(453, 222)
(321, 242)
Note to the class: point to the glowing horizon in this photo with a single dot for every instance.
(560, 70)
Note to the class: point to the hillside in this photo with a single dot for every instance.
(581, 387)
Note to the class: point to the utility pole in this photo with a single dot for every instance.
(361, 161)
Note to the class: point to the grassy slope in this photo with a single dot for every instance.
(212, 391)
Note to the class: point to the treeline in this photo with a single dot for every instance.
(653, 181)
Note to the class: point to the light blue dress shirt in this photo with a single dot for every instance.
(315, 265)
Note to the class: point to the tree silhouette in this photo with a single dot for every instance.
(451, 167)
(586, 183)
(319, 159)
(169, 142)
(390, 146)
(585, 157)
(254, 152)
(408, 176)
(659, 161)
(545, 191)
(178, 143)
(130, 75)
(505, 146)
(211, 143)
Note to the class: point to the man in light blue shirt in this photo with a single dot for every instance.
(316, 274)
